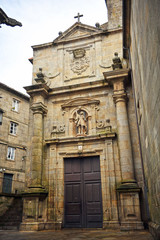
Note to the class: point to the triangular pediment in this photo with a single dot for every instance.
(80, 102)
(76, 31)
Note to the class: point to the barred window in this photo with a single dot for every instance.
(11, 153)
(13, 128)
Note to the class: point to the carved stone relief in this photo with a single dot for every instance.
(104, 125)
(58, 129)
(79, 62)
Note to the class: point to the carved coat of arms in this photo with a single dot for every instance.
(80, 62)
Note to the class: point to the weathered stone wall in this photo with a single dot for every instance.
(114, 13)
(145, 55)
(18, 141)
(56, 60)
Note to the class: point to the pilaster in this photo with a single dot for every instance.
(35, 196)
(127, 190)
(117, 78)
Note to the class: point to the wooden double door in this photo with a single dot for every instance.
(83, 198)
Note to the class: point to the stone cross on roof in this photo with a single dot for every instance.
(78, 16)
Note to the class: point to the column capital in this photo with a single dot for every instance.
(39, 107)
(120, 97)
(117, 79)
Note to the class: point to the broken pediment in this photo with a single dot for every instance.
(80, 102)
(77, 30)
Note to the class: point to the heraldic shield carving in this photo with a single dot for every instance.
(80, 62)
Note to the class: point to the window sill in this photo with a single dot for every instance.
(13, 135)
(11, 160)
(14, 111)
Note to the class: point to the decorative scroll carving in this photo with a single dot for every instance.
(58, 129)
(100, 123)
(104, 124)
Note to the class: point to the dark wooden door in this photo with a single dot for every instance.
(83, 201)
(7, 183)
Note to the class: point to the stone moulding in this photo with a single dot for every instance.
(98, 84)
(97, 137)
(39, 107)
(41, 89)
(75, 153)
(35, 193)
(80, 102)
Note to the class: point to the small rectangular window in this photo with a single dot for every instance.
(11, 153)
(13, 128)
(15, 105)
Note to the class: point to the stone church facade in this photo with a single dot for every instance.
(83, 167)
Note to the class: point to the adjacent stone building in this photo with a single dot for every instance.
(84, 166)
(13, 139)
(141, 39)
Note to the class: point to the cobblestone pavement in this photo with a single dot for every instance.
(67, 234)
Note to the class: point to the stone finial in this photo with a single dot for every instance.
(40, 77)
(97, 25)
(117, 63)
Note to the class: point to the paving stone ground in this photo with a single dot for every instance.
(73, 234)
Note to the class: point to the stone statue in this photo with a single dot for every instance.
(81, 123)
(117, 64)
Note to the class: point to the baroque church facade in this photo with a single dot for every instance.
(83, 168)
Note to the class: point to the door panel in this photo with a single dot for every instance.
(83, 203)
(73, 202)
(93, 205)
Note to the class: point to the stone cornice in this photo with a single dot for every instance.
(113, 76)
(94, 138)
(78, 87)
(63, 40)
(41, 89)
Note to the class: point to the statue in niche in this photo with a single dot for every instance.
(81, 122)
